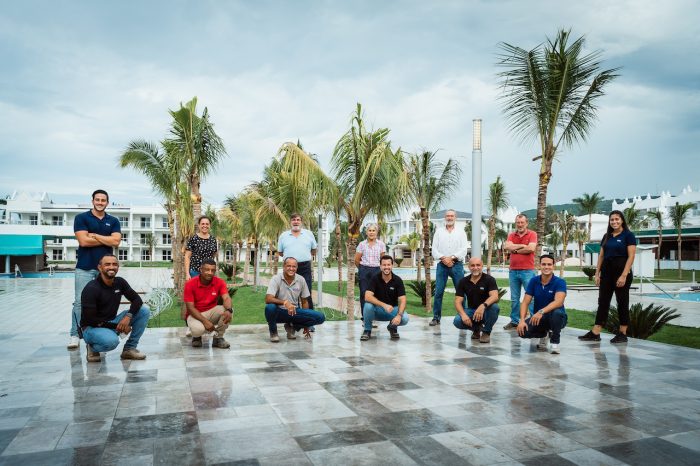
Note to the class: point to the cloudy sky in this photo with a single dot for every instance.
(80, 79)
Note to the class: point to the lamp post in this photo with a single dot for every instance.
(476, 188)
(319, 257)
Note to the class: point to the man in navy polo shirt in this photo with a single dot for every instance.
(97, 233)
(548, 292)
(300, 244)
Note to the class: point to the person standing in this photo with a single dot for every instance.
(480, 310)
(522, 244)
(614, 276)
(367, 259)
(300, 244)
(449, 249)
(98, 233)
(200, 247)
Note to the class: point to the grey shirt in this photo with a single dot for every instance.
(280, 289)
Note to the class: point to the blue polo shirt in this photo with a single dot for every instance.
(544, 294)
(88, 258)
(298, 247)
(616, 246)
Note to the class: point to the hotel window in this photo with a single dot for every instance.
(57, 220)
(33, 219)
(167, 239)
(167, 255)
(123, 255)
(57, 254)
(145, 222)
(143, 239)
(125, 238)
(124, 221)
(165, 222)
(145, 255)
(229, 255)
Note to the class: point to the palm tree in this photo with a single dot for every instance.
(553, 241)
(430, 183)
(497, 200)
(635, 219)
(566, 224)
(658, 217)
(228, 216)
(413, 243)
(588, 203)
(580, 236)
(151, 241)
(677, 215)
(550, 93)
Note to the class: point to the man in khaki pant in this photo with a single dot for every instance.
(202, 312)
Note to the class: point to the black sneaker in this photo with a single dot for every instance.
(393, 331)
(434, 322)
(590, 336)
(365, 335)
(619, 338)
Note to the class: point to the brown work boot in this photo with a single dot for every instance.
(220, 343)
(133, 353)
(92, 356)
(289, 328)
(196, 342)
(485, 338)
(274, 338)
(476, 333)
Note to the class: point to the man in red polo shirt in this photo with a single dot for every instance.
(203, 314)
(521, 244)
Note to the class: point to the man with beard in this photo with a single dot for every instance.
(385, 300)
(481, 311)
(100, 323)
(449, 249)
(300, 244)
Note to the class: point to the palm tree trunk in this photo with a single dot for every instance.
(658, 252)
(544, 178)
(350, 303)
(196, 197)
(255, 263)
(680, 271)
(339, 252)
(418, 264)
(565, 243)
(245, 263)
(424, 215)
(580, 254)
(492, 235)
(235, 260)
(590, 224)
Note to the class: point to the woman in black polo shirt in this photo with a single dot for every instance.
(614, 275)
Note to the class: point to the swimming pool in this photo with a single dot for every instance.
(38, 275)
(692, 297)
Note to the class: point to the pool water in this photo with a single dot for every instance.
(692, 297)
(39, 275)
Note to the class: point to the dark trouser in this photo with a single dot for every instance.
(552, 321)
(609, 273)
(302, 318)
(489, 318)
(365, 274)
(304, 269)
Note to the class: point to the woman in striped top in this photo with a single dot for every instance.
(367, 259)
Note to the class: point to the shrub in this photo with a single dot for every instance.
(589, 271)
(644, 322)
(227, 269)
(231, 291)
(398, 261)
(418, 287)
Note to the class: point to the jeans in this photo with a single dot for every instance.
(304, 269)
(490, 317)
(372, 312)
(365, 273)
(303, 317)
(441, 274)
(82, 278)
(103, 339)
(518, 279)
(550, 322)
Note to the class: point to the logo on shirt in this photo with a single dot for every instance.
(481, 288)
(391, 288)
(107, 224)
(619, 241)
(550, 291)
(116, 291)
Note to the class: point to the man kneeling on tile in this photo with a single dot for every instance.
(202, 312)
(99, 322)
(548, 292)
(481, 310)
(385, 299)
(286, 300)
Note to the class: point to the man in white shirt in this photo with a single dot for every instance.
(449, 250)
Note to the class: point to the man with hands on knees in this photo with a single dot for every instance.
(481, 311)
(202, 312)
(548, 293)
(385, 299)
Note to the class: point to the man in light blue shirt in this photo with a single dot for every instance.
(300, 244)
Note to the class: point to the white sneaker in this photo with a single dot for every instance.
(542, 345)
(73, 343)
(555, 348)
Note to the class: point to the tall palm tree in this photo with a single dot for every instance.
(635, 219)
(413, 243)
(151, 241)
(588, 203)
(678, 214)
(431, 181)
(497, 200)
(566, 224)
(658, 217)
(580, 236)
(553, 241)
(550, 93)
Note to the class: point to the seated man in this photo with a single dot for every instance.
(202, 313)
(100, 324)
(481, 310)
(286, 300)
(548, 292)
(385, 300)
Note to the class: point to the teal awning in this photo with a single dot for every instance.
(592, 248)
(21, 245)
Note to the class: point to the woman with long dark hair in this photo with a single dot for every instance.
(614, 276)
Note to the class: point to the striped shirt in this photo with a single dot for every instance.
(371, 254)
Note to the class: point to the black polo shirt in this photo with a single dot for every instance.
(100, 303)
(476, 293)
(387, 292)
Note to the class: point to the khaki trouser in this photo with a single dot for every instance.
(213, 315)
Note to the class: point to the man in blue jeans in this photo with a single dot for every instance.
(548, 293)
(100, 321)
(286, 300)
(481, 310)
(385, 300)
(97, 233)
(521, 244)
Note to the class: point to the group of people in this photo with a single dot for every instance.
(208, 307)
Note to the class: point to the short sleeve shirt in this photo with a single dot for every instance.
(280, 289)
(387, 293)
(371, 254)
(616, 246)
(522, 261)
(204, 297)
(89, 257)
(476, 293)
(202, 249)
(544, 294)
(298, 247)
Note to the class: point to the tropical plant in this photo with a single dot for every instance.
(398, 261)
(550, 94)
(644, 322)
(580, 236)
(634, 218)
(497, 200)
(227, 269)
(151, 241)
(657, 216)
(589, 271)
(566, 224)
(412, 241)
(553, 241)
(588, 204)
(418, 287)
(431, 181)
(678, 214)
